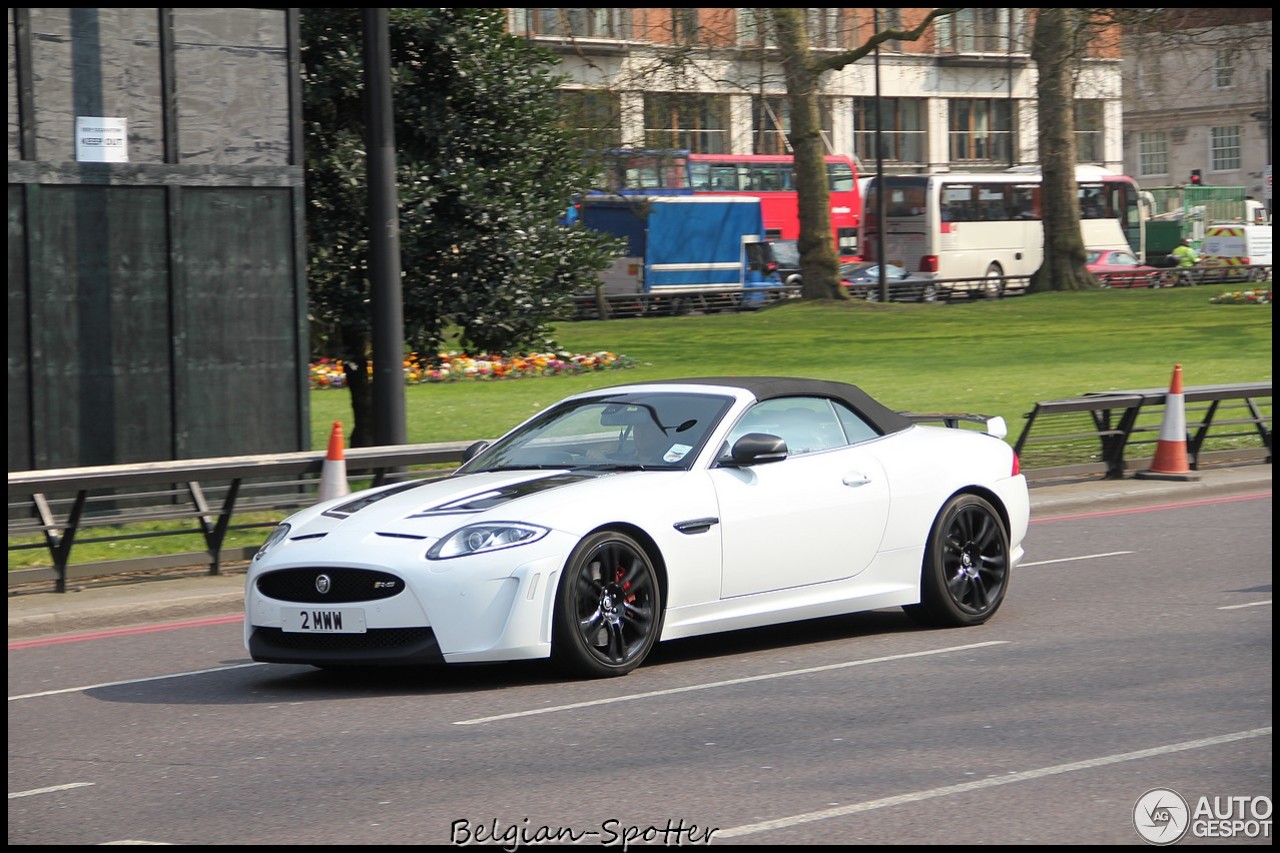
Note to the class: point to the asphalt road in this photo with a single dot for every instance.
(1134, 653)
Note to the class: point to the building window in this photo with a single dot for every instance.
(826, 27)
(755, 28)
(1224, 68)
(684, 26)
(983, 31)
(572, 23)
(1089, 126)
(1153, 154)
(888, 19)
(902, 135)
(698, 122)
(771, 122)
(980, 130)
(1224, 152)
(595, 117)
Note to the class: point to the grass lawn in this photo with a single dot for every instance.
(993, 358)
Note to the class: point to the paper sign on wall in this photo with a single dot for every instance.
(102, 140)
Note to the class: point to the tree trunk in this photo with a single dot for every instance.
(1053, 49)
(360, 383)
(819, 264)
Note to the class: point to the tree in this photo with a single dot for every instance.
(1058, 42)
(484, 175)
(819, 265)
(1062, 39)
(693, 51)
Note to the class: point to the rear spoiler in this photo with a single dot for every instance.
(991, 424)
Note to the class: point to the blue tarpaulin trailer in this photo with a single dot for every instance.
(683, 244)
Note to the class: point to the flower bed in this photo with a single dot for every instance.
(1243, 297)
(454, 367)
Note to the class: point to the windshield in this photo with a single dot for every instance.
(786, 253)
(615, 431)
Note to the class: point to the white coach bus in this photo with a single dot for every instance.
(985, 226)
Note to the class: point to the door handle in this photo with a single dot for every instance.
(855, 479)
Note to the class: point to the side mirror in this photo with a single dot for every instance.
(756, 448)
(474, 450)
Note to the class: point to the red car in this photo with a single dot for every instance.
(1121, 268)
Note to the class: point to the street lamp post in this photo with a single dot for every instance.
(387, 301)
(882, 279)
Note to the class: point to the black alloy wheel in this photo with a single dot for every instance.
(608, 611)
(966, 565)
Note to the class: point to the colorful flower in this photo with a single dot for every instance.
(454, 366)
(1243, 297)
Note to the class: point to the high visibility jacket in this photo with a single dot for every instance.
(1187, 256)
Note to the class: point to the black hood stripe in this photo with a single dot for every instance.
(491, 498)
(366, 501)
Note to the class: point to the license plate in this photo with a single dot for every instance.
(329, 620)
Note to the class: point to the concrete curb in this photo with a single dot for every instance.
(122, 606)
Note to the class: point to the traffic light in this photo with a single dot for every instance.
(1195, 178)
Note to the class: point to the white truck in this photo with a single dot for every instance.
(1236, 253)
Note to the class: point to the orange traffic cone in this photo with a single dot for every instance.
(333, 476)
(1170, 462)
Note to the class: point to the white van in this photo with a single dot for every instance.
(1247, 247)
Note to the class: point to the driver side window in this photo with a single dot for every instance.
(806, 424)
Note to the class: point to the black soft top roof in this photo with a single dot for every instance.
(770, 387)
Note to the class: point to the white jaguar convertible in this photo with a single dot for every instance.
(625, 516)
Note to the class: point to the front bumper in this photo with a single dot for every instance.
(479, 609)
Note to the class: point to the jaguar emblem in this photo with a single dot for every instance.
(323, 584)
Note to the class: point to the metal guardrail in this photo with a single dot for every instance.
(592, 306)
(1232, 274)
(1121, 420)
(58, 508)
(59, 505)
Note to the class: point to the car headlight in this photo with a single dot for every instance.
(477, 538)
(281, 531)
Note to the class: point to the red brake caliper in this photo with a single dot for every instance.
(617, 577)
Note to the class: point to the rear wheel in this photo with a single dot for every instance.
(608, 610)
(929, 293)
(994, 281)
(966, 565)
(873, 293)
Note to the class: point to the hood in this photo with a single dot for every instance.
(427, 509)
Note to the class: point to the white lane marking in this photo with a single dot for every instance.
(1024, 776)
(714, 684)
(51, 789)
(132, 681)
(1073, 559)
(1250, 604)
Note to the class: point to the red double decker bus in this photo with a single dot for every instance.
(769, 177)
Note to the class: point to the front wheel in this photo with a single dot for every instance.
(966, 565)
(608, 609)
